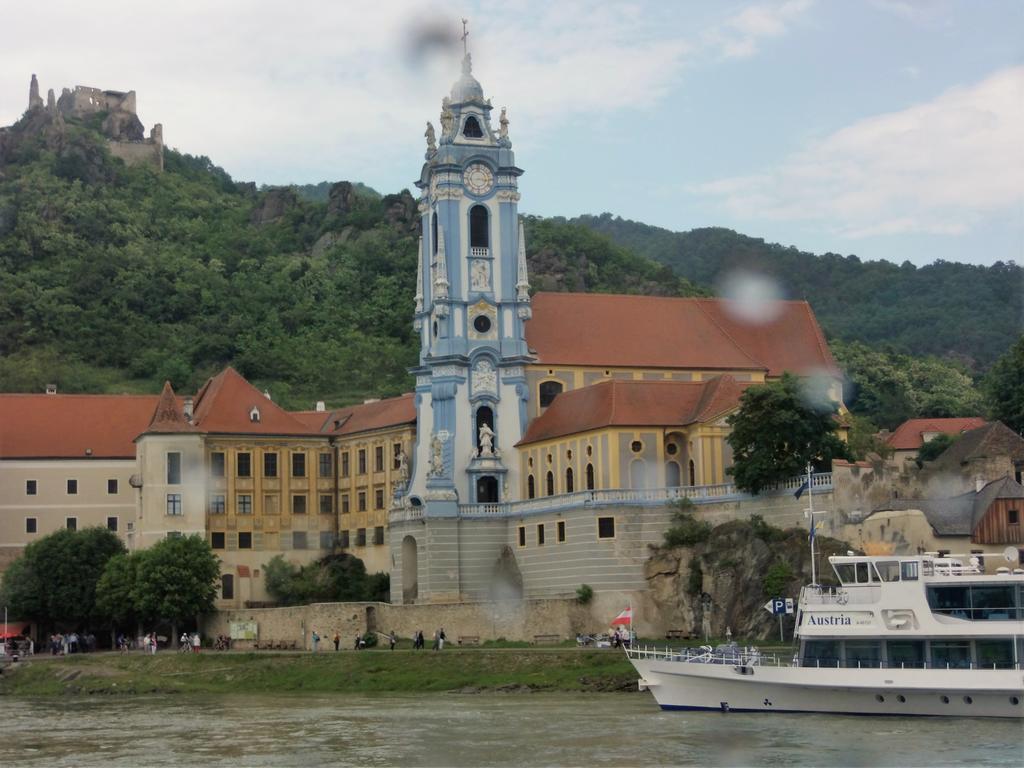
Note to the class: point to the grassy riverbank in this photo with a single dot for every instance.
(347, 671)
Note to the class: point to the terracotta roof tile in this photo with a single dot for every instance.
(224, 404)
(73, 426)
(909, 435)
(381, 414)
(605, 330)
(169, 416)
(637, 404)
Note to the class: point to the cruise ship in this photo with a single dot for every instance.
(899, 635)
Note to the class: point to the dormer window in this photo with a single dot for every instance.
(254, 415)
(471, 128)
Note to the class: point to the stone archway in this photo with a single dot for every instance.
(410, 571)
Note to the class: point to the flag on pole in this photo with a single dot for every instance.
(813, 528)
(803, 487)
(626, 617)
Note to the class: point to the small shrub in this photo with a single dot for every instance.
(777, 579)
(584, 594)
(765, 531)
(686, 530)
(370, 639)
(695, 578)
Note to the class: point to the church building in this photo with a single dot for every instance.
(534, 412)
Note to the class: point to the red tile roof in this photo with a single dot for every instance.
(224, 403)
(73, 426)
(909, 435)
(169, 418)
(635, 404)
(380, 414)
(605, 330)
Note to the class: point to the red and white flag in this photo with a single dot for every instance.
(626, 617)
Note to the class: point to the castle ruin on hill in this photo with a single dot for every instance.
(125, 134)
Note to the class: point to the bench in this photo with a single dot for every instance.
(678, 634)
(469, 640)
(546, 639)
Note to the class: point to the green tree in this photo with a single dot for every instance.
(780, 427)
(115, 591)
(54, 581)
(176, 580)
(1004, 388)
(935, 447)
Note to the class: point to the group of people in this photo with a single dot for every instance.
(61, 644)
(358, 644)
(187, 642)
(439, 638)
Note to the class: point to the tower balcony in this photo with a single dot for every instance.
(476, 252)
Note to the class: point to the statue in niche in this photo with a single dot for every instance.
(480, 275)
(436, 456)
(486, 441)
(403, 468)
(431, 138)
(503, 122)
(447, 116)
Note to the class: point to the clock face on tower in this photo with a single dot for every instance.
(478, 179)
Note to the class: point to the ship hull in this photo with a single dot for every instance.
(722, 687)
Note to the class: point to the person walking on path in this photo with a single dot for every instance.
(196, 642)
(337, 640)
(391, 640)
(440, 639)
(437, 641)
(316, 642)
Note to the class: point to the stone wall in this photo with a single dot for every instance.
(521, 620)
(146, 152)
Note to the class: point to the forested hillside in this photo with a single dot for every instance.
(115, 278)
(959, 311)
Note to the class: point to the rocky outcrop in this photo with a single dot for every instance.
(724, 582)
(341, 199)
(275, 202)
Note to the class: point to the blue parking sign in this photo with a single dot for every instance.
(778, 606)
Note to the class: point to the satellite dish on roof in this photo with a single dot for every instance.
(1011, 554)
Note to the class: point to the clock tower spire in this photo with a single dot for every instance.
(472, 302)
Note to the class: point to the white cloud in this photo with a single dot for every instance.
(939, 167)
(741, 35)
(322, 89)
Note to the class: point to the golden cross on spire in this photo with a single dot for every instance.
(465, 34)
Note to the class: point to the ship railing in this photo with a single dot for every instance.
(735, 656)
(831, 662)
(858, 595)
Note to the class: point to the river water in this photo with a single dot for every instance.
(186, 731)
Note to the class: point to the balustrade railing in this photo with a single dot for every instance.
(610, 496)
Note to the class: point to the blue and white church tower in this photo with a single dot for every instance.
(472, 298)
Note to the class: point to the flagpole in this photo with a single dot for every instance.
(810, 502)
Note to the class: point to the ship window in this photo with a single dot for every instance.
(862, 572)
(821, 653)
(888, 570)
(863, 653)
(905, 653)
(995, 654)
(951, 654)
(977, 603)
(908, 570)
(845, 572)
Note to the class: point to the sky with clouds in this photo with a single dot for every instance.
(890, 129)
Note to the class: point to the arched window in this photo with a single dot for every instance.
(487, 490)
(433, 232)
(471, 128)
(479, 229)
(549, 390)
(227, 586)
(590, 477)
(484, 415)
(569, 488)
(551, 484)
(693, 473)
(673, 474)
(531, 487)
